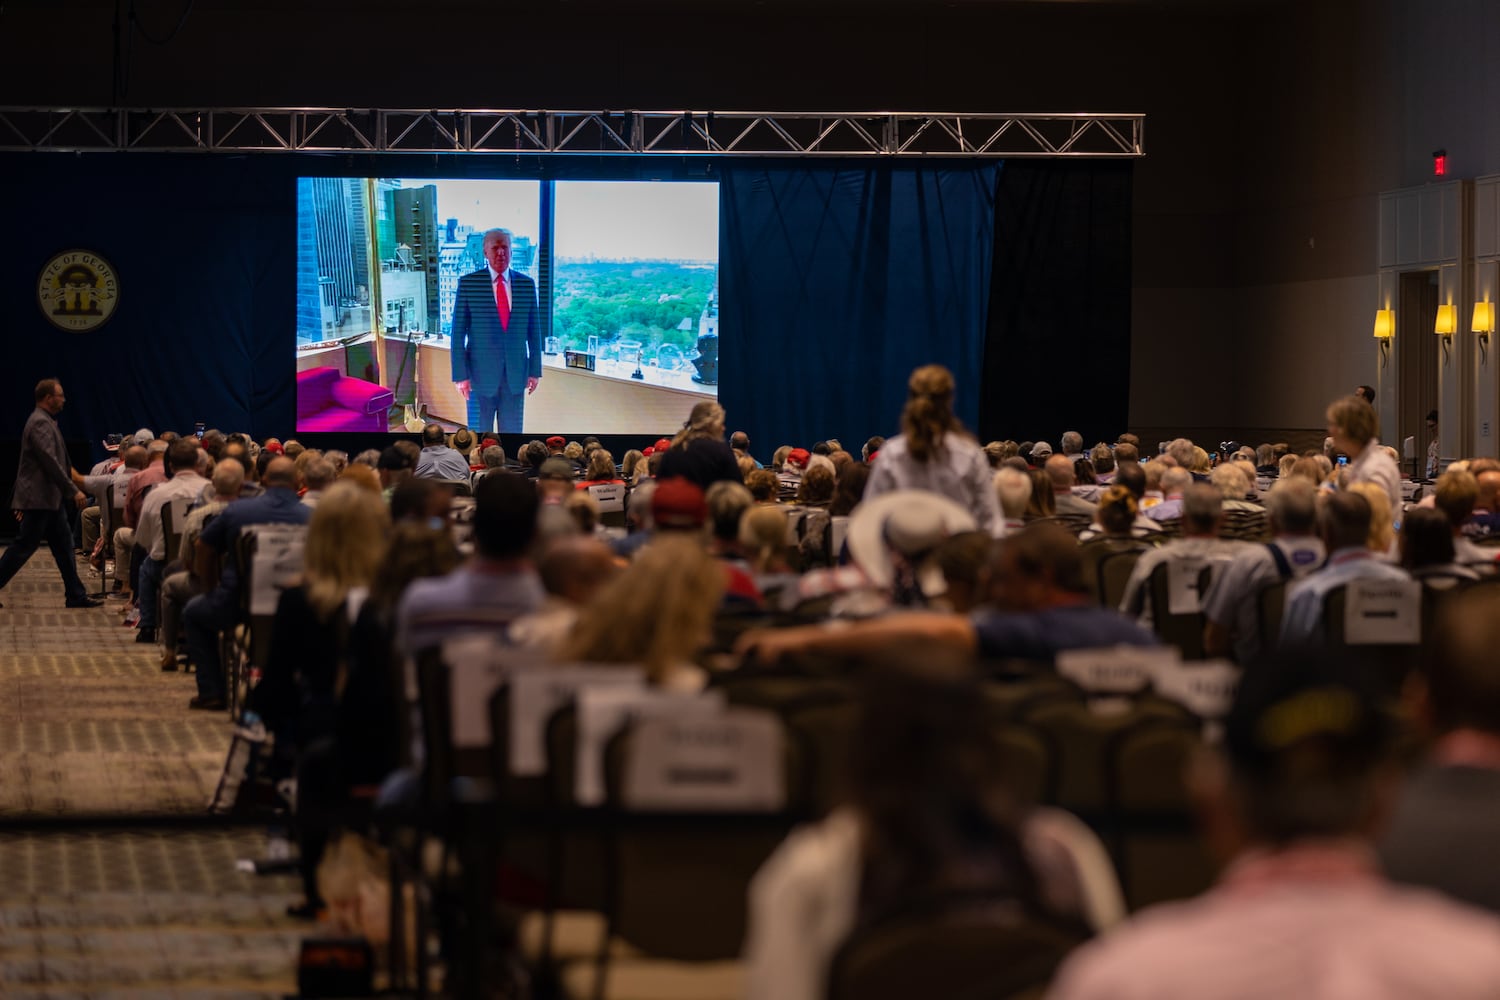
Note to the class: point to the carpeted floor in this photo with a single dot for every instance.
(89, 725)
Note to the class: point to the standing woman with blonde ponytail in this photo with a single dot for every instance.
(935, 453)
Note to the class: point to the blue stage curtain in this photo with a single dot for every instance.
(836, 281)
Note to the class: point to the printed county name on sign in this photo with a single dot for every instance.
(1383, 612)
(78, 291)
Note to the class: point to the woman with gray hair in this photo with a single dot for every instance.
(699, 452)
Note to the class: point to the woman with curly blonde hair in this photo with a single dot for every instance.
(658, 613)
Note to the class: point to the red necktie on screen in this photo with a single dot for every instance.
(502, 302)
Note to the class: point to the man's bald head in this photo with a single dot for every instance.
(281, 471)
(1489, 489)
(574, 567)
(135, 457)
(1059, 469)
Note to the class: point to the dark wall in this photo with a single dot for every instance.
(1178, 63)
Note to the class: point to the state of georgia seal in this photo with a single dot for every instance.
(78, 291)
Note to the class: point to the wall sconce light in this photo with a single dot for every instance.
(1447, 321)
(1483, 325)
(1446, 325)
(1484, 319)
(1385, 329)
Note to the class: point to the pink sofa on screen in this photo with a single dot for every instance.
(330, 401)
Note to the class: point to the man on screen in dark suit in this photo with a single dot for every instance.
(497, 339)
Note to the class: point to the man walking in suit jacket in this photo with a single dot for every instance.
(44, 482)
(497, 339)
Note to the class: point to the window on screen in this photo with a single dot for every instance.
(636, 278)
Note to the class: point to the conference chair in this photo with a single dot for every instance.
(964, 946)
(173, 519)
(266, 556)
(1244, 525)
(1160, 854)
(1119, 555)
(1185, 631)
(1084, 739)
(1392, 662)
(683, 845)
(611, 500)
(1270, 604)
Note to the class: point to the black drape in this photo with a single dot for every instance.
(1057, 352)
(837, 281)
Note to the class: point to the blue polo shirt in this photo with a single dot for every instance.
(278, 505)
(1041, 635)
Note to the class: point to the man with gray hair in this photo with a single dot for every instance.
(317, 476)
(1181, 452)
(1072, 445)
(183, 584)
(1232, 604)
(1013, 488)
(1344, 523)
(496, 352)
(1199, 548)
(1174, 483)
(638, 520)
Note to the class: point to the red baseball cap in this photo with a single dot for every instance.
(556, 441)
(678, 503)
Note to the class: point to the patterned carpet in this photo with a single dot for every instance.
(89, 725)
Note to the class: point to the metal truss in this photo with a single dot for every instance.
(675, 133)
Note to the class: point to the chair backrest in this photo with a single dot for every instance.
(1170, 586)
(173, 520)
(1084, 738)
(1075, 522)
(1112, 570)
(611, 498)
(1245, 525)
(678, 888)
(1270, 604)
(116, 512)
(826, 732)
(969, 949)
(1160, 854)
(1352, 621)
(433, 703)
(461, 487)
(269, 558)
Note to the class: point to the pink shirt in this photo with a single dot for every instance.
(1315, 922)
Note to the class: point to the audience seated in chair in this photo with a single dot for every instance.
(1202, 516)
(218, 606)
(438, 460)
(307, 667)
(1344, 520)
(1231, 604)
(1038, 606)
(1427, 541)
(656, 613)
(495, 587)
(1293, 803)
(1443, 829)
(923, 736)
